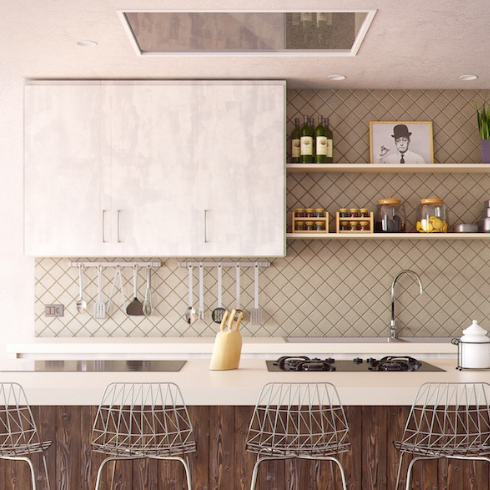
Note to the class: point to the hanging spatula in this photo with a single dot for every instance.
(135, 308)
(99, 306)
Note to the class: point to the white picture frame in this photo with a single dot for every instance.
(383, 146)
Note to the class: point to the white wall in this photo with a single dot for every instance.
(16, 270)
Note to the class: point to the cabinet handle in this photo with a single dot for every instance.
(118, 227)
(205, 226)
(103, 225)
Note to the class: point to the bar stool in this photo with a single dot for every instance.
(299, 420)
(19, 436)
(447, 420)
(144, 420)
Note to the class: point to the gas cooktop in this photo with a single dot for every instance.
(385, 364)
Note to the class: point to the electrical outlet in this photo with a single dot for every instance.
(54, 310)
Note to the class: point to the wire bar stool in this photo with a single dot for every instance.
(144, 420)
(19, 436)
(447, 420)
(298, 420)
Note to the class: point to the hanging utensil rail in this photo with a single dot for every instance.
(224, 264)
(116, 264)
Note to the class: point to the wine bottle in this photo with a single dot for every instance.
(306, 142)
(320, 142)
(296, 142)
(329, 135)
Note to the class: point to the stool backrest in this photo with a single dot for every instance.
(143, 417)
(450, 417)
(300, 418)
(17, 426)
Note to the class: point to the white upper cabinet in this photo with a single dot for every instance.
(64, 153)
(155, 169)
(241, 169)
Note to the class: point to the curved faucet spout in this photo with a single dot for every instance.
(393, 323)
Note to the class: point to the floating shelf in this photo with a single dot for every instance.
(471, 168)
(388, 236)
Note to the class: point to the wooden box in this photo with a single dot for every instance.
(369, 219)
(324, 220)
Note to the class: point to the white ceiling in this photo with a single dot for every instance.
(411, 44)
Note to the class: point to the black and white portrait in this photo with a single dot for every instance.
(401, 142)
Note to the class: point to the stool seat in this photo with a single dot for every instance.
(298, 420)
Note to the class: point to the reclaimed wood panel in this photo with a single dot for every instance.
(221, 462)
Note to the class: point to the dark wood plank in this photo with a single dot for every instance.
(199, 461)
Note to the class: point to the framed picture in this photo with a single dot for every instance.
(401, 142)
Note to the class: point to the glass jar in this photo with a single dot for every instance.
(300, 226)
(309, 213)
(364, 213)
(319, 213)
(344, 226)
(343, 213)
(319, 226)
(354, 213)
(364, 225)
(353, 225)
(310, 226)
(432, 216)
(299, 213)
(390, 216)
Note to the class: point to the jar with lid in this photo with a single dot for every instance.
(390, 216)
(319, 226)
(299, 212)
(432, 216)
(319, 213)
(309, 213)
(309, 226)
(343, 213)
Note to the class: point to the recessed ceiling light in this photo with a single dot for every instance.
(467, 78)
(87, 44)
(336, 77)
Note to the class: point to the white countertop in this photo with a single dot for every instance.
(189, 348)
(237, 387)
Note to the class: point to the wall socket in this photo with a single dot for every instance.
(54, 310)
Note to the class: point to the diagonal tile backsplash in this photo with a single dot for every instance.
(325, 288)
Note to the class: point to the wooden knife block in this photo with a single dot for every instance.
(226, 351)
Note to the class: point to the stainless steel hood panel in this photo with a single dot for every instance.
(89, 366)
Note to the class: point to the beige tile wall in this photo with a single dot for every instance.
(328, 288)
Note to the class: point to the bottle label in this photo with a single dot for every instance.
(329, 148)
(321, 145)
(296, 148)
(306, 16)
(306, 145)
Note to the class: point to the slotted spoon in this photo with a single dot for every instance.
(99, 306)
(219, 311)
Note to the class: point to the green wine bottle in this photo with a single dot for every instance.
(329, 135)
(320, 142)
(306, 142)
(296, 142)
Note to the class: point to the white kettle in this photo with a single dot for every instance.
(474, 348)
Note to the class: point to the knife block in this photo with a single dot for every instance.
(226, 351)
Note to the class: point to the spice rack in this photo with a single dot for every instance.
(299, 223)
(368, 219)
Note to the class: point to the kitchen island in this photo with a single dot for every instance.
(220, 406)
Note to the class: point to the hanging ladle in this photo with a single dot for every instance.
(190, 314)
(219, 311)
(81, 303)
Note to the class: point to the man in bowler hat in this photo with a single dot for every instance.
(402, 153)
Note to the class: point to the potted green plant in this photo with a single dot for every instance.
(483, 118)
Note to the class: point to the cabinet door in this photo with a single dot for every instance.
(153, 169)
(63, 158)
(241, 145)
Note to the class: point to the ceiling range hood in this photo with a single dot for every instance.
(235, 33)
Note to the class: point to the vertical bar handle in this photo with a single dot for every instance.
(103, 225)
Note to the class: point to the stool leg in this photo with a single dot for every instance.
(99, 473)
(46, 471)
(255, 473)
(399, 473)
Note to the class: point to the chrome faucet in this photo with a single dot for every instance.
(392, 324)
